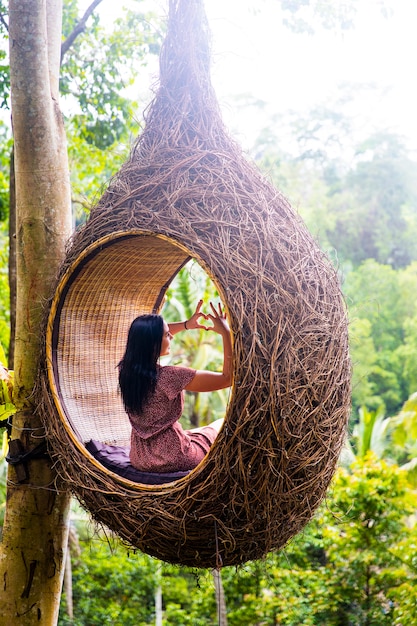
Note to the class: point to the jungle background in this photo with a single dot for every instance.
(356, 562)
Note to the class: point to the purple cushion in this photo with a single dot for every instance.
(116, 459)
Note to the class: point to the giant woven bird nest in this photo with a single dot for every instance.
(187, 191)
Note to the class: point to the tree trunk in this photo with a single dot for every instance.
(33, 551)
(158, 597)
(220, 598)
(68, 586)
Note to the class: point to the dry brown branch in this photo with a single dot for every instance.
(5, 24)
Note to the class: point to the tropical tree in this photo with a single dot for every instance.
(403, 438)
(98, 69)
(357, 194)
(43, 201)
(383, 307)
(392, 439)
(111, 586)
(353, 564)
(372, 206)
(35, 499)
(366, 530)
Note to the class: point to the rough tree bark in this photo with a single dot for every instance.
(33, 550)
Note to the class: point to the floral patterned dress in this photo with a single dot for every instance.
(158, 441)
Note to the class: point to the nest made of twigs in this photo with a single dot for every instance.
(188, 182)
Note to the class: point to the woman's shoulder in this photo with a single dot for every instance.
(175, 371)
(175, 377)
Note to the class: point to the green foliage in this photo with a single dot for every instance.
(4, 294)
(359, 199)
(90, 168)
(3, 477)
(5, 151)
(365, 532)
(188, 597)
(111, 587)
(305, 16)
(370, 433)
(355, 564)
(98, 69)
(390, 438)
(372, 207)
(347, 567)
(383, 308)
(403, 438)
(97, 75)
(4, 66)
(7, 408)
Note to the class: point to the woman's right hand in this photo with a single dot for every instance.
(194, 321)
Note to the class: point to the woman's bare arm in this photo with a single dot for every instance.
(204, 380)
(190, 324)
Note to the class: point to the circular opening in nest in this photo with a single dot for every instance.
(116, 279)
(199, 349)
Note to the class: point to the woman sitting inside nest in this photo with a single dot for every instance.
(153, 395)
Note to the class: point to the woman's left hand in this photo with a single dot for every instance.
(218, 318)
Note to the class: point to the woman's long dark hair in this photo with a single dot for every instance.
(138, 370)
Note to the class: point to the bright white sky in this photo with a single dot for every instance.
(254, 54)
